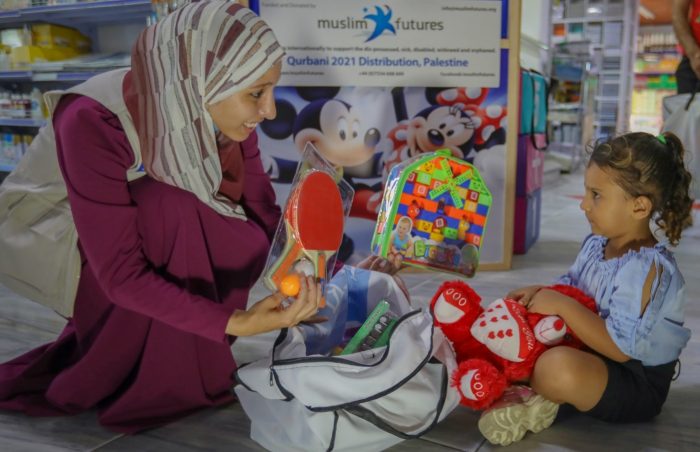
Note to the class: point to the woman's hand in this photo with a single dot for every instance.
(270, 313)
(524, 294)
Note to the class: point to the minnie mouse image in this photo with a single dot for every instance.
(455, 120)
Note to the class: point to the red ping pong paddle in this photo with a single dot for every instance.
(314, 225)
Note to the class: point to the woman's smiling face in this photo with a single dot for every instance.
(238, 115)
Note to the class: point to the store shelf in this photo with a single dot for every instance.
(565, 107)
(105, 11)
(658, 53)
(15, 75)
(14, 122)
(585, 20)
(610, 123)
(653, 73)
(29, 76)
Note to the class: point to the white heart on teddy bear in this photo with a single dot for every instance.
(504, 330)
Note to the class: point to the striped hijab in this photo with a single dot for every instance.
(198, 55)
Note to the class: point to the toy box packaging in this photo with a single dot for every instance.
(433, 214)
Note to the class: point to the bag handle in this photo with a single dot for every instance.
(692, 96)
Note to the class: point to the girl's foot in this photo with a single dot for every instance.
(519, 409)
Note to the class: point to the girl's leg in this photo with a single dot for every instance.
(561, 375)
(568, 375)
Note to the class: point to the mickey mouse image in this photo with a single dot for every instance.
(337, 132)
(497, 345)
(455, 120)
(332, 126)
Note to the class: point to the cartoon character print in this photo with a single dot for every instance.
(455, 121)
(433, 128)
(331, 125)
(489, 122)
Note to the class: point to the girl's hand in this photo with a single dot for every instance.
(378, 264)
(270, 314)
(547, 302)
(524, 294)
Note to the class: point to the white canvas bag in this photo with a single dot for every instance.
(362, 401)
(681, 115)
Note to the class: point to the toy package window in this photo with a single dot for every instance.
(433, 214)
(311, 230)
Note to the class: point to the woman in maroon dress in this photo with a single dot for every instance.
(167, 259)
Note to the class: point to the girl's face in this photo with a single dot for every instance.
(238, 115)
(608, 208)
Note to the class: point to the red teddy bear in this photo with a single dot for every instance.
(497, 345)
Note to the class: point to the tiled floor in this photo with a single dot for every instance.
(24, 325)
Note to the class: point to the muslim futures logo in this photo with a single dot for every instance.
(381, 19)
(382, 22)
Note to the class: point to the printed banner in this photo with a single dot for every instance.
(440, 43)
(366, 131)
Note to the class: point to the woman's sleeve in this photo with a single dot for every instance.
(94, 155)
(258, 194)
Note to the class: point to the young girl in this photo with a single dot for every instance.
(636, 184)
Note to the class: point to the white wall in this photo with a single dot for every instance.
(118, 38)
(535, 34)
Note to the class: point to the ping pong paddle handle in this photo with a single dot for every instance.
(321, 274)
(285, 267)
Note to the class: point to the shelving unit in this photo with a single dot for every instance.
(602, 32)
(654, 76)
(111, 26)
(75, 14)
(568, 104)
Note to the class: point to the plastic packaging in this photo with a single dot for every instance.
(433, 214)
(283, 245)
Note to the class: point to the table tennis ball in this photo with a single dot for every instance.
(304, 267)
(290, 285)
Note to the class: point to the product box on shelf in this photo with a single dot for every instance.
(433, 214)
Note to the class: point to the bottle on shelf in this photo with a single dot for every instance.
(37, 106)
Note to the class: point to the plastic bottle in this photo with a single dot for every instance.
(37, 104)
(5, 104)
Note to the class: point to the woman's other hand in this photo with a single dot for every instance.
(270, 313)
(378, 264)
